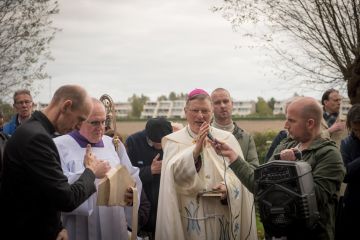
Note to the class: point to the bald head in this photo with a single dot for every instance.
(217, 90)
(98, 105)
(75, 93)
(69, 107)
(303, 119)
(309, 108)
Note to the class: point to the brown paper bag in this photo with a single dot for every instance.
(111, 192)
(112, 188)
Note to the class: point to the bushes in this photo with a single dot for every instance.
(262, 142)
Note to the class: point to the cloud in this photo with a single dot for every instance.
(152, 48)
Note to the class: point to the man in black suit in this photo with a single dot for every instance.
(34, 189)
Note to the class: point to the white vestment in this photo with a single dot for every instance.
(88, 221)
(182, 213)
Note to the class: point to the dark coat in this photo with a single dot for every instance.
(141, 155)
(34, 190)
(350, 151)
(278, 138)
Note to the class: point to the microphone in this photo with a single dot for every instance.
(211, 137)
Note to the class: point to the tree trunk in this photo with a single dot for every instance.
(353, 83)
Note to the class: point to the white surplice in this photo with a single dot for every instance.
(182, 213)
(88, 221)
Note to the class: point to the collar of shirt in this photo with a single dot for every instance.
(83, 142)
(230, 127)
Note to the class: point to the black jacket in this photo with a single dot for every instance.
(141, 155)
(34, 189)
(348, 221)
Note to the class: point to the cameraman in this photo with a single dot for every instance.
(303, 124)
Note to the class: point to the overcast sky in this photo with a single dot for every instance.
(122, 47)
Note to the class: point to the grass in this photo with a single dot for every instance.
(259, 227)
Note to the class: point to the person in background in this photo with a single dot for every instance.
(222, 108)
(34, 190)
(145, 152)
(91, 222)
(350, 151)
(23, 105)
(199, 198)
(303, 119)
(332, 126)
(282, 134)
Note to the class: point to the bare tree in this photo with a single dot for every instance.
(25, 34)
(328, 32)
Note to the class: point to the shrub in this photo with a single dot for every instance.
(263, 141)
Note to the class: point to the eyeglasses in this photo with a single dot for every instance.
(202, 111)
(26, 102)
(96, 123)
(335, 99)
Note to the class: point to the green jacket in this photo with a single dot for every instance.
(328, 173)
(244, 169)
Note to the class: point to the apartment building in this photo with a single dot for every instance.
(175, 109)
(149, 110)
(122, 109)
(243, 108)
(279, 106)
(163, 108)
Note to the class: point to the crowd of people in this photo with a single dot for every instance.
(195, 181)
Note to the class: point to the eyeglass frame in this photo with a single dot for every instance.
(197, 111)
(97, 123)
(26, 102)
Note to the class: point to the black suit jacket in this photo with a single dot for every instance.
(34, 189)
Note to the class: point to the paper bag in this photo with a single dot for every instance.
(111, 192)
(112, 188)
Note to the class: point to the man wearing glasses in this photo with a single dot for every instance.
(23, 105)
(89, 221)
(200, 197)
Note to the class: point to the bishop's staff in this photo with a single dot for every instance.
(110, 118)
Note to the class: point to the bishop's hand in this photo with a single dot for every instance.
(204, 129)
